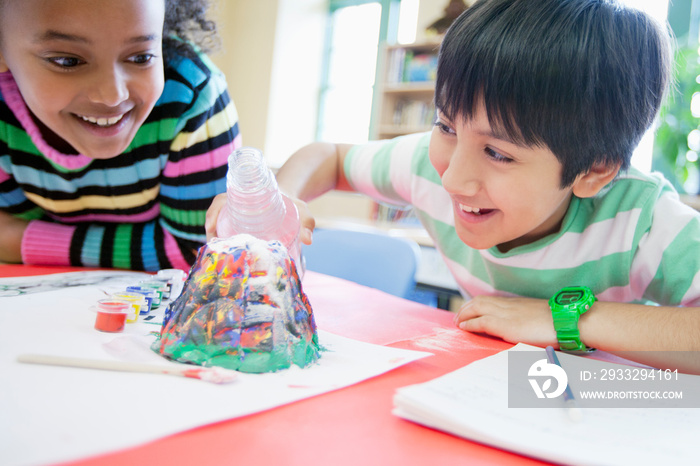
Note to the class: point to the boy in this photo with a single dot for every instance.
(524, 183)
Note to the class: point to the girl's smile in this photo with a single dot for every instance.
(102, 121)
(89, 83)
(104, 126)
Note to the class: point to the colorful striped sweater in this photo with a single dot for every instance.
(141, 210)
(634, 242)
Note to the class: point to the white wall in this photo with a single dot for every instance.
(271, 54)
(247, 30)
(296, 78)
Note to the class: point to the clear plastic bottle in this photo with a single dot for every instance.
(256, 206)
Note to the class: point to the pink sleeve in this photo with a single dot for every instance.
(47, 243)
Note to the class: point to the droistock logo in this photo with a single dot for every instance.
(543, 369)
(534, 382)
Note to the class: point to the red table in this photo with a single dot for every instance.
(351, 426)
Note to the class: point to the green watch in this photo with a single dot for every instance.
(567, 305)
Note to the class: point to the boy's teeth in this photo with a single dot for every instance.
(102, 121)
(466, 208)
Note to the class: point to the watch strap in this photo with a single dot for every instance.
(568, 334)
(565, 316)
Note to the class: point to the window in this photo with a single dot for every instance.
(356, 28)
(642, 156)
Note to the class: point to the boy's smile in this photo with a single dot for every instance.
(89, 72)
(477, 212)
(503, 194)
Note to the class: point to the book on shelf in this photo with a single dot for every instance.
(395, 66)
(413, 113)
(387, 213)
(420, 67)
(405, 66)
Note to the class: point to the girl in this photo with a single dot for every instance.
(115, 130)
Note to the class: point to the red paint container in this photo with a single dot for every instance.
(111, 315)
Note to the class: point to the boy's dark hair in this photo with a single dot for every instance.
(186, 27)
(585, 78)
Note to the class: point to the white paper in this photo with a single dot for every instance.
(472, 402)
(51, 414)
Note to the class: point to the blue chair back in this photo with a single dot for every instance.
(369, 258)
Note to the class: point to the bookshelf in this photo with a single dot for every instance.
(403, 102)
(405, 90)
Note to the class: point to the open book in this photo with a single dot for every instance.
(472, 402)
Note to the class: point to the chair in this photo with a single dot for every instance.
(370, 258)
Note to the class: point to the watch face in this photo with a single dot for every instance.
(568, 297)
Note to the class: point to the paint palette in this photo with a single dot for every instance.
(139, 300)
(242, 308)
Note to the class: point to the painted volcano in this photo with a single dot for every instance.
(242, 308)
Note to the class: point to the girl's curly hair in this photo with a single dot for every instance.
(187, 29)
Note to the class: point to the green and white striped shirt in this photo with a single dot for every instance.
(634, 242)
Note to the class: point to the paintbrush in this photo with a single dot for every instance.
(208, 374)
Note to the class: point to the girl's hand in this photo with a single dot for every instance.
(11, 232)
(515, 320)
(213, 215)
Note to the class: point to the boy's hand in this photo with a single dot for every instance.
(307, 223)
(306, 220)
(515, 320)
(213, 214)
